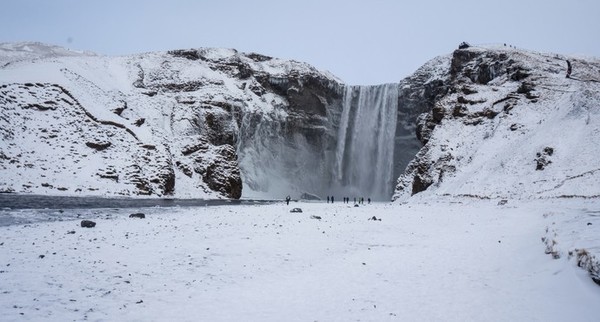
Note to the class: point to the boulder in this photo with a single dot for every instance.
(88, 224)
(138, 215)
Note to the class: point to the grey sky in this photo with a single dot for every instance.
(362, 42)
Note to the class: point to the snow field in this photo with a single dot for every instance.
(451, 260)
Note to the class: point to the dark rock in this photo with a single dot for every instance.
(375, 218)
(502, 202)
(140, 122)
(167, 180)
(190, 54)
(189, 149)
(223, 174)
(468, 90)
(119, 110)
(425, 126)
(138, 215)
(589, 224)
(437, 113)
(514, 127)
(464, 45)
(258, 57)
(543, 158)
(70, 232)
(488, 113)
(150, 93)
(519, 74)
(41, 256)
(526, 88)
(421, 181)
(99, 146)
(315, 217)
(296, 210)
(244, 71)
(88, 224)
(460, 111)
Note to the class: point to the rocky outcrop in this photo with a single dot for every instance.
(447, 91)
(483, 99)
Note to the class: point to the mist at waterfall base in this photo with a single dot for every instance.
(357, 161)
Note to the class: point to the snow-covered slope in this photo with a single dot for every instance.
(495, 122)
(159, 124)
(507, 123)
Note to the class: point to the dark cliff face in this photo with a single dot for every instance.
(289, 149)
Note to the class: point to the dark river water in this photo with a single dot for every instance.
(17, 209)
(23, 201)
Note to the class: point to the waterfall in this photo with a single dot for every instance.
(365, 146)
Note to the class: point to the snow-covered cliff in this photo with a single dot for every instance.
(491, 122)
(507, 123)
(181, 123)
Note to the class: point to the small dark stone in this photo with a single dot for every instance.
(138, 215)
(296, 210)
(139, 302)
(70, 232)
(42, 256)
(589, 224)
(315, 217)
(88, 224)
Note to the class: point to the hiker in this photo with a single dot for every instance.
(287, 200)
(331, 199)
(327, 199)
(369, 200)
(568, 69)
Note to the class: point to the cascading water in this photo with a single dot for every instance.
(365, 146)
(351, 150)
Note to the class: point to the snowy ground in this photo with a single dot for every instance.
(445, 260)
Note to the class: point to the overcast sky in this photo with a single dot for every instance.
(362, 42)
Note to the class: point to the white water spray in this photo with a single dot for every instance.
(365, 148)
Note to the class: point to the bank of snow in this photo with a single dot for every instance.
(455, 259)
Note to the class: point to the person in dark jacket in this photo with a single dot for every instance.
(568, 69)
